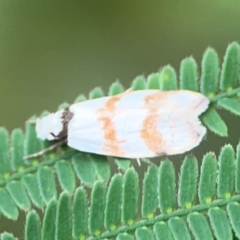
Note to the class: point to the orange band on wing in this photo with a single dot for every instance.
(149, 132)
(111, 143)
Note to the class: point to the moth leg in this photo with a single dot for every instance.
(138, 161)
(40, 153)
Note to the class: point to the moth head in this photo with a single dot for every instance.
(50, 126)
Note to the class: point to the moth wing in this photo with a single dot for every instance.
(167, 124)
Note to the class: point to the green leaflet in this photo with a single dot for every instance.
(80, 214)
(226, 176)
(7, 236)
(162, 231)
(207, 184)
(46, 184)
(114, 203)
(167, 187)
(7, 206)
(230, 67)
(168, 78)
(4, 153)
(144, 233)
(188, 74)
(63, 218)
(17, 140)
(30, 182)
(96, 214)
(84, 169)
(233, 210)
(218, 219)
(115, 89)
(231, 105)
(33, 226)
(19, 195)
(210, 72)
(139, 83)
(153, 81)
(179, 229)
(214, 122)
(150, 192)
(130, 196)
(199, 226)
(188, 182)
(65, 176)
(48, 228)
(96, 93)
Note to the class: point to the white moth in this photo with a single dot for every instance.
(133, 124)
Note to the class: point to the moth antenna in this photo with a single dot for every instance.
(40, 153)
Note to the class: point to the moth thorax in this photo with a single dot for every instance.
(54, 126)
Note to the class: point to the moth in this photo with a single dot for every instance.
(133, 124)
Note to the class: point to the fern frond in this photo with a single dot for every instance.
(201, 207)
(196, 208)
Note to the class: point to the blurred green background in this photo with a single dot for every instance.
(51, 51)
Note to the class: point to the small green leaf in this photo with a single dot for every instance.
(33, 226)
(80, 98)
(153, 81)
(31, 144)
(97, 92)
(144, 233)
(80, 214)
(167, 187)
(207, 182)
(114, 203)
(231, 105)
(63, 106)
(130, 197)
(63, 218)
(115, 88)
(179, 229)
(226, 174)
(19, 195)
(168, 78)
(7, 206)
(237, 173)
(188, 182)
(139, 83)
(230, 67)
(84, 168)
(199, 226)
(65, 176)
(220, 223)
(210, 72)
(49, 220)
(7, 236)
(124, 236)
(31, 184)
(4, 153)
(17, 139)
(233, 209)
(188, 74)
(101, 166)
(123, 163)
(214, 122)
(96, 214)
(46, 184)
(150, 192)
(162, 231)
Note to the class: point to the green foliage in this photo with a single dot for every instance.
(83, 198)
